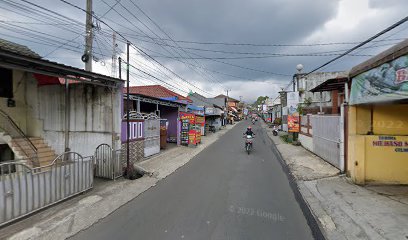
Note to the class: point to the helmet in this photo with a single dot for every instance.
(249, 128)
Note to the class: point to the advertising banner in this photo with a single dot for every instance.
(387, 82)
(293, 115)
(188, 128)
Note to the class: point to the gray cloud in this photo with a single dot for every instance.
(233, 21)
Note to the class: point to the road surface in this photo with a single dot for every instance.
(222, 193)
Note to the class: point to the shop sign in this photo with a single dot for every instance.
(384, 83)
(188, 116)
(245, 111)
(293, 115)
(209, 110)
(401, 146)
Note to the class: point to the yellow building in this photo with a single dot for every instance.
(378, 119)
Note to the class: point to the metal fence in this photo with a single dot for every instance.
(24, 190)
(108, 163)
(326, 138)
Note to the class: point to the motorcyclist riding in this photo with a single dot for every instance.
(249, 131)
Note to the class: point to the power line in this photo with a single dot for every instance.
(161, 29)
(264, 45)
(133, 45)
(362, 43)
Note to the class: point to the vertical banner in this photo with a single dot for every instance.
(188, 120)
(293, 115)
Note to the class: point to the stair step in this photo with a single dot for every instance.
(40, 148)
(24, 141)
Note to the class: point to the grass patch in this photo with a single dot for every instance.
(288, 138)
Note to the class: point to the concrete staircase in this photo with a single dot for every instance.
(23, 150)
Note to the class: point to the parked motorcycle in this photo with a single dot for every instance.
(248, 143)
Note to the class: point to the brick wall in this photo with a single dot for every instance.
(136, 151)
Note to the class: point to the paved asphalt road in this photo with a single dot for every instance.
(222, 193)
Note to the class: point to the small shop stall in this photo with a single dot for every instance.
(190, 130)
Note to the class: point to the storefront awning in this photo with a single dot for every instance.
(331, 84)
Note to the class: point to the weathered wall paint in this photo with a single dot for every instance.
(390, 119)
(377, 164)
(40, 112)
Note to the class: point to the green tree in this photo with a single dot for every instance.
(260, 100)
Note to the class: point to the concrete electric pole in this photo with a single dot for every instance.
(113, 69)
(87, 57)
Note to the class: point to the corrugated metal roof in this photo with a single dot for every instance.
(17, 48)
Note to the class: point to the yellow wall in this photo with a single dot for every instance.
(390, 119)
(356, 142)
(383, 163)
(380, 164)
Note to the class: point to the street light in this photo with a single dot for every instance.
(299, 69)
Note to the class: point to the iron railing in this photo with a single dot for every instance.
(24, 190)
(20, 139)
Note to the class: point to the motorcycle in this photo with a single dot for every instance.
(275, 131)
(248, 143)
(253, 120)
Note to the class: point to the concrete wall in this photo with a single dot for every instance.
(91, 119)
(40, 112)
(312, 81)
(23, 83)
(306, 141)
(379, 158)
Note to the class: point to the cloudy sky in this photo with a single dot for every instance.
(248, 47)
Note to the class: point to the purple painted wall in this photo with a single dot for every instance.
(171, 117)
(136, 131)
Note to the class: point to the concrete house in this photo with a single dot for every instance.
(47, 108)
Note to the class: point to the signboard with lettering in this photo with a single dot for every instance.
(400, 145)
(384, 83)
(189, 119)
(293, 115)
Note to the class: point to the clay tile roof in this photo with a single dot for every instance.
(156, 91)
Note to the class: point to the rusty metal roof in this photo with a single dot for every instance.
(15, 56)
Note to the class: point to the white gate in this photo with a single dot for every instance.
(327, 138)
(152, 135)
(107, 162)
(24, 190)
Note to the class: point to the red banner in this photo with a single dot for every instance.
(293, 123)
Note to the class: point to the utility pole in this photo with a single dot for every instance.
(113, 70)
(87, 57)
(228, 90)
(127, 111)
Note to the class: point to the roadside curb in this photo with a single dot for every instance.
(99, 204)
(317, 229)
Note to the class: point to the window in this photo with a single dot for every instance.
(6, 83)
